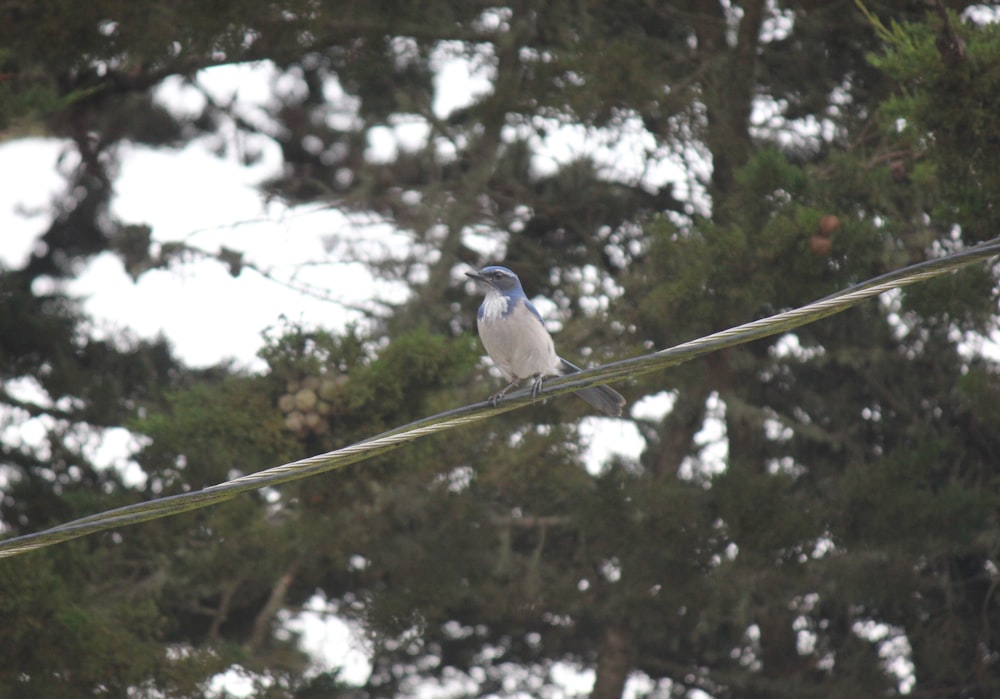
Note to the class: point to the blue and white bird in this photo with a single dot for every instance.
(516, 340)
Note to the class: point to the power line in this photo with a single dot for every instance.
(393, 439)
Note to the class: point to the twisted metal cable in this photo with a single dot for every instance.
(393, 439)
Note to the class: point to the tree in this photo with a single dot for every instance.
(854, 512)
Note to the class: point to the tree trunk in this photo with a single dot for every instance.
(614, 662)
(262, 622)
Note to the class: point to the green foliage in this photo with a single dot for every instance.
(211, 431)
(23, 101)
(292, 350)
(405, 369)
(948, 109)
(57, 614)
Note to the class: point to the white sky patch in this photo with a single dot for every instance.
(30, 178)
(605, 438)
(20, 431)
(18, 428)
(461, 79)
(713, 442)
(248, 88)
(27, 389)
(188, 190)
(489, 244)
(974, 345)
(331, 642)
(236, 682)
(179, 97)
(407, 133)
(778, 24)
(191, 196)
(767, 121)
(627, 153)
(110, 449)
(577, 682)
(893, 648)
(788, 345)
(655, 406)
(982, 14)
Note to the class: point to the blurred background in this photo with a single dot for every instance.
(234, 235)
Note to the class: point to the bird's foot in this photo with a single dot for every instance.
(536, 386)
(495, 398)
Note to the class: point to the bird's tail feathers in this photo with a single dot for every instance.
(604, 398)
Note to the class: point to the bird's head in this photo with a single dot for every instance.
(498, 278)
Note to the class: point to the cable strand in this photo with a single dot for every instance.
(395, 438)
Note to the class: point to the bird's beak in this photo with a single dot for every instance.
(476, 275)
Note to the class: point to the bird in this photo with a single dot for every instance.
(515, 338)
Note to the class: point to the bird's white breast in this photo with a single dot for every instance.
(494, 306)
(518, 342)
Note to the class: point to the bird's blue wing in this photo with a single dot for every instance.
(534, 311)
(568, 366)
